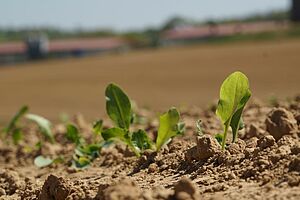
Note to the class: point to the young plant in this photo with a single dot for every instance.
(84, 153)
(234, 94)
(13, 128)
(169, 126)
(43, 124)
(118, 108)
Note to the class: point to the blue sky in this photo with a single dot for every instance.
(123, 14)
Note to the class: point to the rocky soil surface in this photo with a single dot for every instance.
(264, 163)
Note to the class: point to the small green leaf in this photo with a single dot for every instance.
(168, 127)
(38, 145)
(42, 161)
(59, 159)
(236, 121)
(118, 106)
(72, 134)
(44, 125)
(234, 94)
(17, 136)
(15, 119)
(219, 137)
(122, 135)
(97, 127)
(81, 162)
(180, 128)
(115, 134)
(241, 124)
(141, 140)
(91, 150)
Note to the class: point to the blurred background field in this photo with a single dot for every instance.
(176, 63)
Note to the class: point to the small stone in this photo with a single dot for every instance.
(2, 192)
(152, 181)
(252, 142)
(231, 176)
(266, 141)
(249, 152)
(263, 162)
(295, 149)
(295, 165)
(152, 168)
(71, 170)
(293, 181)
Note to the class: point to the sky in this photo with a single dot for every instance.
(123, 15)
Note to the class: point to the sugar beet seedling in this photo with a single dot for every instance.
(234, 94)
(118, 107)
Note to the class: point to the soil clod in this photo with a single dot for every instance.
(281, 122)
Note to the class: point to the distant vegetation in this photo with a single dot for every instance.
(11, 34)
(149, 37)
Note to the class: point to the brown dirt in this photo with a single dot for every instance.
(156, 78)
(263, 164)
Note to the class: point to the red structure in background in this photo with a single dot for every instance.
(186, 33)
(86, 44)
(9, 48)
(67, 46)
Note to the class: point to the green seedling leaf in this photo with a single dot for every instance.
(38, 145)
(180, 128)
(113, 134)
(59, 159)
(91, 150)
(168, 127)
(241, 124)
(81, 162)
(219, 137)
(17, 136)
(44, 125)
(116, 134)
(97, 127)
(118, 106)
(234, 94)
(133, 118)
(15, 119)
(141, 140)
(72, 134)
(41, 161)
